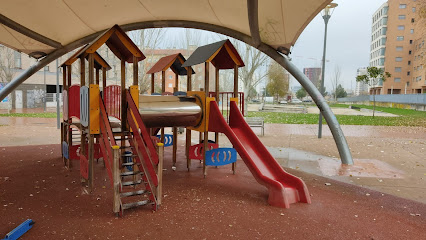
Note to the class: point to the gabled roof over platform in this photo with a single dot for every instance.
(43, 26)
(119, 43)
(117, 40)
(99, 61)
(173, 62)
(222, 55)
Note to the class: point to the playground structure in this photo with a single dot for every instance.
(120, 126)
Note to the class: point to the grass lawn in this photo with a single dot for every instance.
(396, 111)
(406, 117)
(35, 115)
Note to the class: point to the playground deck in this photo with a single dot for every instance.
(221, 206)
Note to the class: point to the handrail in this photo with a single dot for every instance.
(143, 139)
(142, 128)
(106, 140)
(142, 149)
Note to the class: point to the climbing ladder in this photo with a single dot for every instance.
(131, 160)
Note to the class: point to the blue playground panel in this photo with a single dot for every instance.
(19, 230)
(65, 150)
(168, 139)
(221, 156)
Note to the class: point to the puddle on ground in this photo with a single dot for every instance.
(328, 166)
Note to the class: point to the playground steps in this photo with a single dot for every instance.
(131, 183)
(130, 173)
(135, 191)
(136, 204)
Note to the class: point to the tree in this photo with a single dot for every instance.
(147, 40)
(253, 72)
(7, 67)
(278, 81)
(301, 93)
(335, 80)
(372, 78)
(340, 92)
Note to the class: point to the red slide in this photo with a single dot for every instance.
(283, 187)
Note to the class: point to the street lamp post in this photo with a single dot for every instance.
(326, 15)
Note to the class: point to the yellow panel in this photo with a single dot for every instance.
(200, 99)
(134, 92)
(234, 99)
(94, 109)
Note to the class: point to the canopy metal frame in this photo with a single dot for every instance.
(254, 40)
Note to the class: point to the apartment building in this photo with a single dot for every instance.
(397, 45)
(313, 74)
(361, 88)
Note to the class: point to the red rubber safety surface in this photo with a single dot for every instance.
(35, 185)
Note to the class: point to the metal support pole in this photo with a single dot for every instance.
(326, 18)
(45, 89)
(336, 131)
(188, 131)
(58, 111)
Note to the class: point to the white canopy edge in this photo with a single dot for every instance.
(62, 22)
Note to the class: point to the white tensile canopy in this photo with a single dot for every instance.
(62, 22)
(55, 27)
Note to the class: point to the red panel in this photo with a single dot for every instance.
(74, 101)
(112, 99)
(73, 152)
(84, 167)
(196, 151)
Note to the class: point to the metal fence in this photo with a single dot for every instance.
(417, 99)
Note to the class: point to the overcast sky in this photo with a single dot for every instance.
(348, 41)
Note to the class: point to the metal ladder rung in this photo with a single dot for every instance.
(135, 193)
(128, 155)
(136, 204)
(131, 173)
(128, 164)
(131, 183)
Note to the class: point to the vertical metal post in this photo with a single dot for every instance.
(91, 146)
(163, 89)
(58, 111)
(82, 83)
(123, 103)
(45, 89)
(216, 134)
(103, 82)
(206, 133)
(326, 18)
(152, 83)
(188, 131)
(160, 172)
(135, 71)
(234, 164)
(116, 179)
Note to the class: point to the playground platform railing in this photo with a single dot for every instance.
(225, 98)
(106, 140)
